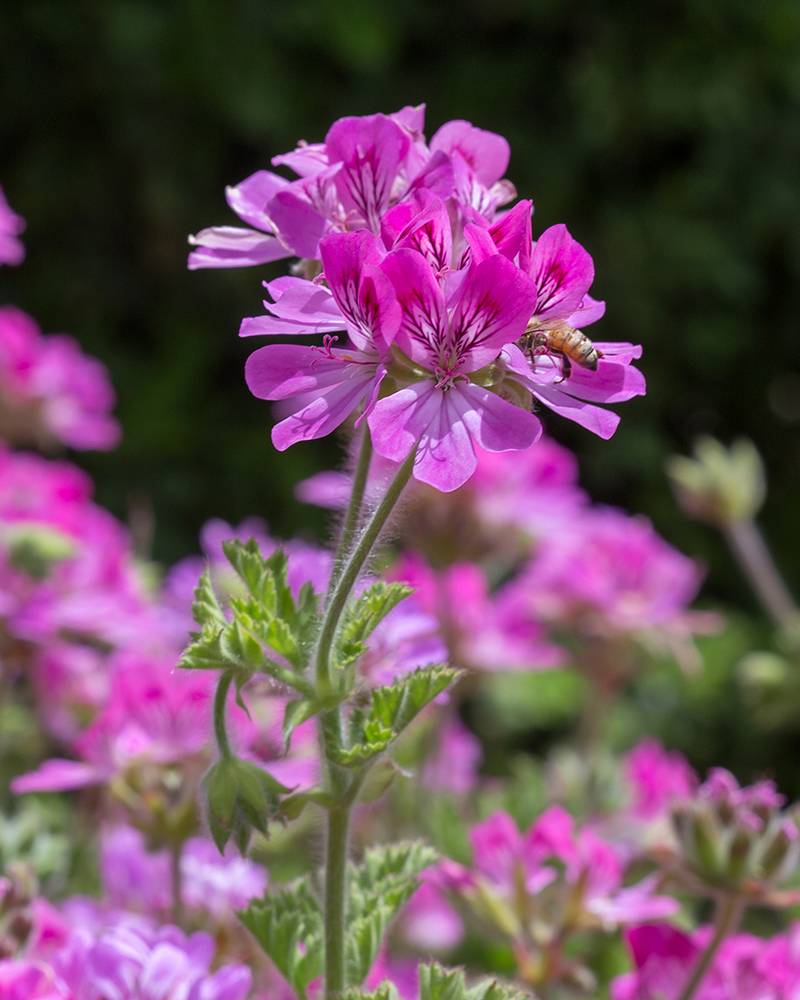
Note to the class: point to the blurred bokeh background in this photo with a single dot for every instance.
(665, 135)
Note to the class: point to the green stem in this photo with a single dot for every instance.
(177, 884)
(353, 515)
(729, 914)
(335, 901)
(220, 703)
(350, 573)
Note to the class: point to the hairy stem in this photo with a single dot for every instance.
(351, 570)
(750, 549)
(353, 515)
(729, 914)
(336, 901)
(220, 703)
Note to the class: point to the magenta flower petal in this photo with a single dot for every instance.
(399, 421)
(593, 418)
(495, 424)
(512, 233)
(363, 293)
(297, 221)
(486, 153)
(324, 413)
(12, 250)
(371, 150)
(280, 371)
(227, 246)
(611, 383)
(249, 199)
(423, 327)
(420, 224)
(435, 176)
(563, 272)
(309, 159)
(57, 775)
(494, 309)
(301, 307)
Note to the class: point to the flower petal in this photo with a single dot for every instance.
(228, 246)
(593, 418)
(423, 328)
(249, 199)
(563, 272)
(486, 153)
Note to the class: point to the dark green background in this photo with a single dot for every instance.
(665, 134)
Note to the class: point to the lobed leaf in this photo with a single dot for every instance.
(289, 927)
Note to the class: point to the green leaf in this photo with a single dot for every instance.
(293, 805)
(206, 607)
(288, 925)
(384, 991)
(205, 652)
(239, 796)
(391, 709)
(377, 889)
(361, 620)
(306, 708)
(436, 982)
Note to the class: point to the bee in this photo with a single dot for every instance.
(556, 337)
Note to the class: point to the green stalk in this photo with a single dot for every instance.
(335, 900)
(353, 515)
(220, 702)
(341, 783)
(729, 914)
(349, 575)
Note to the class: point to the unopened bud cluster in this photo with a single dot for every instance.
(737, 840)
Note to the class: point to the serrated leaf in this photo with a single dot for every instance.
(377, 889)
(288, 925)
(437, 982)
(206, 607)
(384, 991)
(390, 710)
(205, 652)
(280, 637)
(303, 709)
(496, 989)
(363, 617)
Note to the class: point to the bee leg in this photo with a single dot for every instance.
(566, 367)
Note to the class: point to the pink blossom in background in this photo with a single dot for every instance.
(349, 181)
(744, 968)
(50, 391)
(656, 777)
(403, 972)
(136, 879)
(613, 575)
(11, 225)
(482, 631)
(554, 859)
(455, 762)
(429, 923)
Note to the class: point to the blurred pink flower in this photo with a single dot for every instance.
(50, 391)
(11, 225)
(455, 763)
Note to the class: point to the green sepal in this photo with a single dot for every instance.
(288, 925)
(239, 796)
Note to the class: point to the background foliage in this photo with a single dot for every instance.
(667, 136)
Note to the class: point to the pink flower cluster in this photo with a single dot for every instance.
(436, 292)
(50, 392)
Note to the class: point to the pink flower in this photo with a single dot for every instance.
(213, 884)
(50, 391)
(656, 777)
(349, 181)
(11, 225)
(328, 383)
(429, 923)
(482, 631)
(664, 958)
(455, 763)
(447, 334)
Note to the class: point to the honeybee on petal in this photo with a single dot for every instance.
(553, 336)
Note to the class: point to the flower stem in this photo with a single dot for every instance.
(754, 557)
(335, 900)
(353, 515)
(351, 570)
(220, 702)
(729, 914)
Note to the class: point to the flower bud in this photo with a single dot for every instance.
(719, 485)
